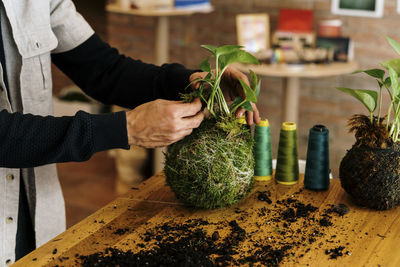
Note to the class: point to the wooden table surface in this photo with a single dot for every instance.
(301, 70)
(370, 237)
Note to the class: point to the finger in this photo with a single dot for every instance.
(196, 76)
(256, 115)
(240, 112)
(249, 119)
(193, 122)
(189, 109)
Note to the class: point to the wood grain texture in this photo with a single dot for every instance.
(301, 71)
(371, 237)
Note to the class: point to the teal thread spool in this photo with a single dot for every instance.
(316, 176)
(262, 151)
(287, 166)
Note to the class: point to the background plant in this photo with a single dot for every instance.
(387, 80)
(210, 88)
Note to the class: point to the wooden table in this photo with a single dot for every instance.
(371, 237)
(292, 75)
(161, 46)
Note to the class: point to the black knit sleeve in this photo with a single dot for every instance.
(30, 141)
(112, 78)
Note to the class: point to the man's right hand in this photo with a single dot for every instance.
(161, 122)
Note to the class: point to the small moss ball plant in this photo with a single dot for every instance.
(214, 166)
(370, 170)
(209, 170)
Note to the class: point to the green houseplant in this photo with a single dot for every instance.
(214, 166)
(370, 170)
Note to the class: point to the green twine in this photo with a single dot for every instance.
(316, 176)
(287, 166)
(262, 151)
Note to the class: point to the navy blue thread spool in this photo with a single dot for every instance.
(317, 171)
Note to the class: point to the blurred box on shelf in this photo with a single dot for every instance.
(342, 47)
(330, 28)
(296, 20)
(193, 5)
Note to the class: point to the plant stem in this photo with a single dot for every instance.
(380, 104)
(388, 115)
(371, 117)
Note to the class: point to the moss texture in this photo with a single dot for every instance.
(211, 168)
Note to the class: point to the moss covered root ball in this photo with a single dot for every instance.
(209, 169)
(372, 176)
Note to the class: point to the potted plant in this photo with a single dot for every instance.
(214, 166)
(370, 171)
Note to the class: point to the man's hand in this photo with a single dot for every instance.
(232, 88)
(161, 122)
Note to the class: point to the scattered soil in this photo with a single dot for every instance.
(121, 231)
(282, 230)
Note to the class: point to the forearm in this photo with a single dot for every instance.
(30, 141)
(112, 78)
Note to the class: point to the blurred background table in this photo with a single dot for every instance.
(292, 75)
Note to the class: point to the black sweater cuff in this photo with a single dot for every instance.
(109, 131)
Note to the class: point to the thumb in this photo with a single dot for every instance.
(190, 109)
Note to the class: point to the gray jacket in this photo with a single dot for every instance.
(32, 30)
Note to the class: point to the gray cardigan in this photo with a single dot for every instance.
(32, 30)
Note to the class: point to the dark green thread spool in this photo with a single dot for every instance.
(287, 166)
(262, 152)
(316, 176)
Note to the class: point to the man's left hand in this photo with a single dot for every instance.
(231, 88)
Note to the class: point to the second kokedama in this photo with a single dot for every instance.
(370, 171)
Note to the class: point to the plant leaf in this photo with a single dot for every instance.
(387, 82)
(394, 63)
(376, 73)
(227, 49)
(258, 89)
(235, 104)
(253, 79)
(205, 65)
(394, 79)
(255, 83)
(394, 44)
(250, 94)
(367, 97)
(210, 48)
(239, 56)
(247, 106)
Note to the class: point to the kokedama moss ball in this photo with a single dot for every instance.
(372, 176)
(211, 168)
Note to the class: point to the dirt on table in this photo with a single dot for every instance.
(272, 232)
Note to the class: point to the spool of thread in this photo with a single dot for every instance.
(316, 176)
(287, 166)
(262, 151)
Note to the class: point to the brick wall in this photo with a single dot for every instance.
(320, 103)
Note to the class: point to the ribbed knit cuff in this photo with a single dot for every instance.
(109, 131)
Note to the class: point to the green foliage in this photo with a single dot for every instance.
(211, 168)
(367, 97)
(371, 100)
(210, 90)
